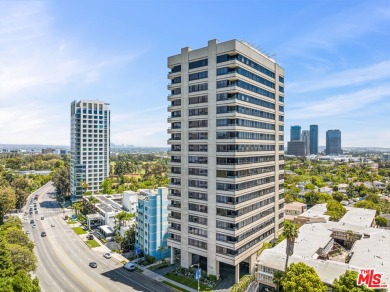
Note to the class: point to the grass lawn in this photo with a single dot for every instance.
(71, 222)
(174, 286)
(79, 230)
(92, 243)
(186, 281)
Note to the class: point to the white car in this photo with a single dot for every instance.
(25, 218)
(34, 226)
(107, 255)
(28, 232)
(129, 266)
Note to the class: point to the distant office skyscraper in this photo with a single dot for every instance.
(295, 134)
(306, 141)
(89, 146)
(314, 139)
(333, 142)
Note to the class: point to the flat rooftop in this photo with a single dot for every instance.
(311, 238)
(358, 216)
(371, 251)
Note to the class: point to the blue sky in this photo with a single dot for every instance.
(335, 54)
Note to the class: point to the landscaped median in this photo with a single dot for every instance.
(177, 288)
(186, 281)
(79, 230)
(92, 243)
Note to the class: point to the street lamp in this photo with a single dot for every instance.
(198, 274)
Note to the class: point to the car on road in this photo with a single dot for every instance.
(42, 218)
(43, 233)
(25, 218)
(52, 225)
(32, 221)
(28, 232)
(93, 265)
(34, 226)
(107, 255)
(129, 266)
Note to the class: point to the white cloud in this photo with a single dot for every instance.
(339, 105)
(350, 77)
(39, 64)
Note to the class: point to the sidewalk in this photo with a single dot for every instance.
(159, 278)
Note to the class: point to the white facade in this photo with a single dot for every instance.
(130, 201)
(90, 146)
(227, 131)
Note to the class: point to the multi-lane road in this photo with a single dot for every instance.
(63, 258)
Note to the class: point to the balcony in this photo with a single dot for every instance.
(175, 207)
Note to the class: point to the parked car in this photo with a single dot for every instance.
(43, 233)
(34, 226)
(89, 236)
(32, 221)
(93, 265)
(52, 225)
(36, 212)
(28, 232)
(107, 255)
(42, 218)
(129, 266)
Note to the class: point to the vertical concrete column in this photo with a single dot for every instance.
(252, 263)
(211, 159)
(217, 269)
(237, 270)
(186, 259)
(172, 255)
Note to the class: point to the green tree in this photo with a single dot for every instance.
(122, 217)
(17, 236)
(278, 275)
(347, 282)
(7, 201)
(335, 210)
(161, 249)
(338, 196)
(290, 232)
(129, 238)
(381, 221)
(78, 206)
(61, 181)
(6, 266)
(22, 258)
(22, 282)
(106, 186)
(302, 278)
(367, 205)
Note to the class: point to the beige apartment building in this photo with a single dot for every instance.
(226, 148)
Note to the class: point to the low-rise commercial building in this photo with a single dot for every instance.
(292, 210)
(318, 245)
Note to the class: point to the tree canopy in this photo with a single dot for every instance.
(302, 278)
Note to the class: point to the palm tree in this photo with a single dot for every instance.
(84, 185)
(290, 231)
(161, 249)
(78, 207)
(123, 217)
(350, 238)
(277, 278)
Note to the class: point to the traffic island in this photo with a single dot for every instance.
(92, 243)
